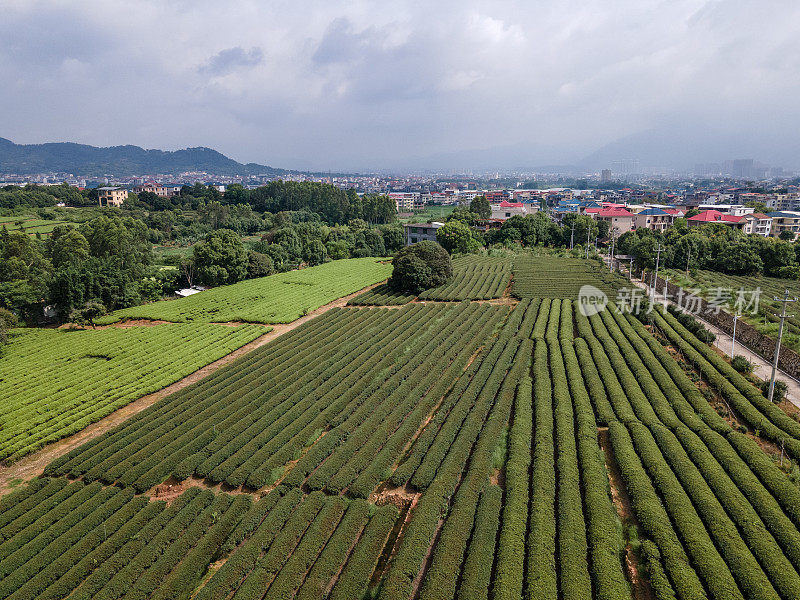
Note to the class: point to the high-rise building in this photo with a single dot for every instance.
(605, 176)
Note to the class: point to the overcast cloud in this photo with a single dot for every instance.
(364, 85)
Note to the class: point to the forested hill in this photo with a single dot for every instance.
(85, 160)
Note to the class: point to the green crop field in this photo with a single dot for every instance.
(439, 451)
(712, 285)
(28, 224)
(556, 277)
(279, 298)
(55, 382)
(474, 278)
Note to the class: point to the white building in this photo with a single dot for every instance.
(406, 201)
(505, 210)
(418, 232)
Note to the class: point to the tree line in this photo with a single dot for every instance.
(107, 261)
(715, 247)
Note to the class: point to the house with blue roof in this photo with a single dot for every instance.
(656, 219)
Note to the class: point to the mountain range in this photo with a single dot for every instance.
(91, 161)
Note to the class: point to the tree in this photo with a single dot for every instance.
(420, 266)
(481, 207)
(187, 269)
(259, 265)
(67, 247)
(315, 253)
(462, 213)
(88, 313)
(393, 238)
(786, 235)
(220, 258)
(456, 237)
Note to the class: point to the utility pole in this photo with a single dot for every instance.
(688, 254)
(611, 251)
(733, 339)
(630, 270)
(785, 301)
(655, 275)
(666, 283)
(588, 235)
(572, 236)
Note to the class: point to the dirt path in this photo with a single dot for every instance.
(640, 586)
(33, 465)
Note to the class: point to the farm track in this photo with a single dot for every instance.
(33, 465)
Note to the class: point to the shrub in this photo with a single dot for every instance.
(780, 389)
(741, 364)
(692, 325)
(420, 266)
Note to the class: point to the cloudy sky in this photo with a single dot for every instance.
(368, 85)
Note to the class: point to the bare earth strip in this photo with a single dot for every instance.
(33, 465)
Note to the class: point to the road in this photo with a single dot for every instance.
(763, 368)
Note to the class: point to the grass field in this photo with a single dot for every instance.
(28, 224)
(440, 451)
(279, 298)
(431, 213)
(56, 382)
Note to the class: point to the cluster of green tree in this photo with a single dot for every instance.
(537, 229)
(715, 247)
(38, 196)
(334, 205)
(103, 260)
(222, 257)
(105, 263)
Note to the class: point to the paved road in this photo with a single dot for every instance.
(763, 368)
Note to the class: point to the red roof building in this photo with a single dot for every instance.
(619, 220)
(507, 204)
(614, 212)
(714, 216)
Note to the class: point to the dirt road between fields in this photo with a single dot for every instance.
(33, 465)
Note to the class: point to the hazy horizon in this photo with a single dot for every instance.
(365, 86)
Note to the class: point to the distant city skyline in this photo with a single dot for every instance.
(367, 86)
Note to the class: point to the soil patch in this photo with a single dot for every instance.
(640, 586)
(498, 477)
(128, 323)
(401, 497)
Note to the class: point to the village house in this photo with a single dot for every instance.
(111, 196)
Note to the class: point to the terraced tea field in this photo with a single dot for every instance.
(763, 315)
(554, 277)
(474, 278)
(55, 382)
(447, 451)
